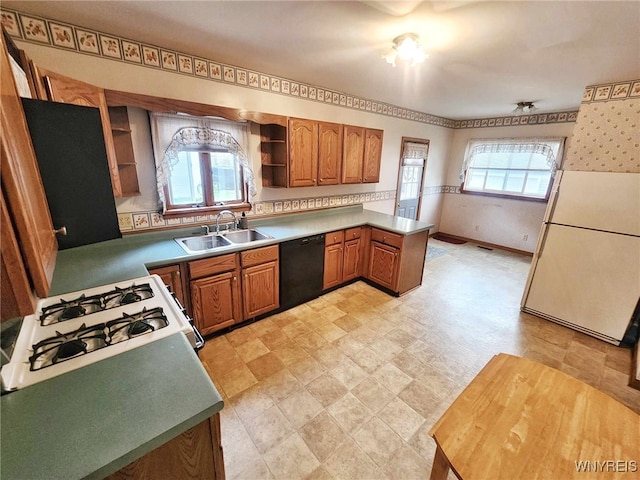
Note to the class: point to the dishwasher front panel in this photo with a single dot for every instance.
(301, 270)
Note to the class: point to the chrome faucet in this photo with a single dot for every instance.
(206, 229)
(228, 212)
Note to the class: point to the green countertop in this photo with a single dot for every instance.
(91, 422)
(126, 258)
(95, 420)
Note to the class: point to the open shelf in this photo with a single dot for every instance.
(121, 132)
(273, 155)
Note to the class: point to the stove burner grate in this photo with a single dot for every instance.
(65, 346)
(124, 296)
(70, 309)
(134, 325)
(83, 305)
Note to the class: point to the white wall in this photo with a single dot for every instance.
(120, 76)
(506, 222)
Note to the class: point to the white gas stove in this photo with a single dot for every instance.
(76, 329)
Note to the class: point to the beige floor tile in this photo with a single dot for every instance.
(251, 349)
(348, 373)
(295, 329)
(350, 413)
(275, 339)
(386, 348)
(250, 402)
(372, 394)
(330, 331)
(300, 407)
(291, 354)
(404, 420)
(326, 389)
(264, 327)
(409, 364)
(401, 337)
(239, 336)
(311, 341)
(319, 473)
(422, 442)
(330, 313)
(423, 398)
(406, 464)
(347, 323)
(369, 360)
(268, 429)
(350, 462)
(377, 440)
(280, 385)
(348, 345)
(237, 380)
(254, 469)
(392, 378)
(323, 435)
(330, 356)
(265, 366)
(292, 459)
(307, 370)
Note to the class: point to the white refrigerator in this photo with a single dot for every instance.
(585, 273)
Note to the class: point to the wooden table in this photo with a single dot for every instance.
(519, 419)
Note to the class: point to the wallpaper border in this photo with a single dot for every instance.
(69, 37)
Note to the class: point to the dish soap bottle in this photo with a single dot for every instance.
(243, 224)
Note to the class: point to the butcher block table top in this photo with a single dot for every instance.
(519, 419)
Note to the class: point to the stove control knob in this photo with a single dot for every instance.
(61, 231)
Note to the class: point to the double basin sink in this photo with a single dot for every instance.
(212, 241)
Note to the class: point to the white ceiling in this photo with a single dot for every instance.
(484, 57)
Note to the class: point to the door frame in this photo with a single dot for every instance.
(424, 173)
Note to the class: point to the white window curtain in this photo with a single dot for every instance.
(550, 148)
(173, 132)
(414, 150)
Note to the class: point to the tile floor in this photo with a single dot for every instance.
(348, 385)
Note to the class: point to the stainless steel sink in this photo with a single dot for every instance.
(246, 236)
(202, 243)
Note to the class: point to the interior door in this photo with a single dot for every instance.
(413, 159)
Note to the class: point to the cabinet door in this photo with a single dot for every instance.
(69, 90)
(383, 265)
(329, 153)
(22, 187)
(215, 302)
(260, 288)
(332, 266)
(351, 263)
(303, 152)
(372, 156)
(352, 154)
(171, 277)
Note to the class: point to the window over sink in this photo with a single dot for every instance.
(201, 164)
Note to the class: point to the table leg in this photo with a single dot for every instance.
(440, 468)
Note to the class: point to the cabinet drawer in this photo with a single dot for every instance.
(385, 237)
(259, 255)
(213, 265)
(332, 238)
(351, 233)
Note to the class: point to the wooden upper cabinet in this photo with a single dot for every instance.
(372, 155)
(329, 153)
(22, 187)
(303, 152)
(69, 90)
(352, 154)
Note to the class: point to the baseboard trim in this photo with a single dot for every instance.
(485, 244)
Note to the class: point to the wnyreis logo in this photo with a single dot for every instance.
(610, 466)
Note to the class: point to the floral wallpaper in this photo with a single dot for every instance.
(606, 137)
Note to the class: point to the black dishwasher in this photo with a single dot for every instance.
(301, 270)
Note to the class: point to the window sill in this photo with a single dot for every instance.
(506, 196)
(190, 212)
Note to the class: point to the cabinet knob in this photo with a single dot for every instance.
(60, 231)
(235, 279)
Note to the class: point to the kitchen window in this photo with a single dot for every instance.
(519, 167)
(201, 165)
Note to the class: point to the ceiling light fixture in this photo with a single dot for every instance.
(406, 47)
(524, 107)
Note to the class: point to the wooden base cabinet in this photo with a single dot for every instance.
(342, 257)
(171, 275)
(215, 293)
(396, 262)
(196, 454)
(260, 281)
